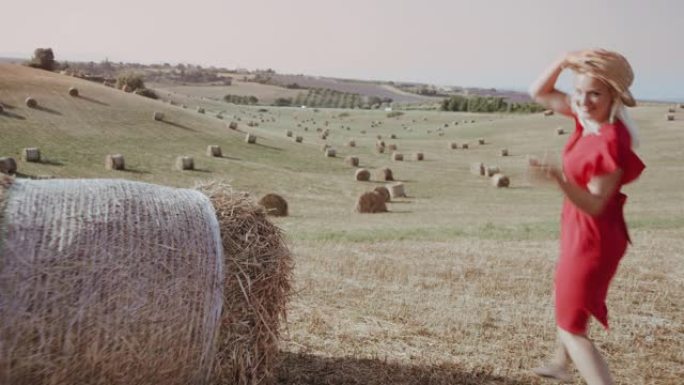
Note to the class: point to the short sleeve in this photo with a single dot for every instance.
(616, 154)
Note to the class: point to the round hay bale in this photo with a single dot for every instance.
(200, 110)
(115, 162)
(548, 112)
(396, 190)
(185, 163)
(384, 174)
(214, 151)
(491, 171)
(500, 180)
(397, 157)
(670, 117)
(671, 110)
(481, 141)
(504, 152)
(31, 154)
(464, 146)
(363, 131)
(352, 161)
(453, 145)
(393, 136)
(2, 109)
(560, 131)
(299, 139)
(330, 153)
(380, 149)
(380, 143)
(379, 137)
(418, 156)
(681, 106)
(73, 91)
(362, 175)
(325, 147)
(250, 138)
(274, 204)
(351, 143)
(158, 116)
(370, 202)
(8, 165)
(478, 169)
(233, 125)
(383, 192)
(31, 102)
(288, 133)
(392, 147)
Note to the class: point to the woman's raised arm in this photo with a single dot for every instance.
(544, 91)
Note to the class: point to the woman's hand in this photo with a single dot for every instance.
(544, 171)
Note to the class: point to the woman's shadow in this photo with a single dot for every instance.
(305, 369)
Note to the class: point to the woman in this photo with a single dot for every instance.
(597, 160)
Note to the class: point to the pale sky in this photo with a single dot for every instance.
(487, 43)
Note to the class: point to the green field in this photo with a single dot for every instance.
(452, 285)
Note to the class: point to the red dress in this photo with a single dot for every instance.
(591, 246)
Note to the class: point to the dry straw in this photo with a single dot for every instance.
(397, 157)
(362, 175)
(274, 204)
(392, 147)
(396, 190)
(464, 146)
(73, 91)
(500, 180)
(250, 138)
(385, 174)
(481, 141)
(31, 154)
(453, 145)
(560, 131)
(115, 162)
(158, 116)
(670, 117)
(233, 125)
(214, 151)
(370, 202)
(288, 133)
(8, 165)
(504, 152)
(185, 163)
(477, 168)
(352, 161)
(384, 192)
(325, 147)
(330, 153)
(299, 139)
(418, 156)
(491, 171)
(351, 143)
(31, 102)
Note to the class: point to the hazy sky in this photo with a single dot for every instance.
(495, 43)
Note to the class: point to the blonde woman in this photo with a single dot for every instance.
(598, 160)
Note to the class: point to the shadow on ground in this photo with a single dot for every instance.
(303, 369)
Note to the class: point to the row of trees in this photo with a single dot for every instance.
(487, 104)
(241, 99)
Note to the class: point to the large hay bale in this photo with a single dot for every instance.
(384, 193)
(393, 136)
(115, 162)
(384, 174)
(396, 190)
(325, 147)
(158, 116)
(299, 139)
(330, 153)
(352, 161)
(464, 146)
(397, 157)
(671, 110)
(504, 152)
(670, 117)
(362, 175)
(560, 131)
(73, 91)
(453, 145)
(492, 170)
(477, 168)
(371, 202)
(500, 180)
(481, 141)
(392, 147)
(288, 133)
(418, 156)
(200, 110)
(8, 165)
(351, 143)
(214, 151)
(31, 102)
(31, 154)
(250, 138)
(274, 204)
(185, 163)
(233, 125)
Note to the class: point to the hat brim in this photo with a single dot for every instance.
(628, 99)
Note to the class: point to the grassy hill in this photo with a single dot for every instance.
(453, 284)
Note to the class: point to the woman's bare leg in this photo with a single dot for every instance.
(586, 358)
(559, 366)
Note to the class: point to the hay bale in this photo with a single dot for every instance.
(352, 161)
(330, 153)
(200, 110)
(214, 151)
(384, 174)
(392, 147)
(115, 162)
(250, 138)
(371, 202)
(362, 175)
(504, 152)
(380, 149)
(8, 165)
(2, 109)
(325, 147)
(418, 156)
(548, 112)
(31, 154)
(185, 163)
(453, 145)
(379, 137)
(560, 131)
(351, 143)
(233, 125)
(274, 204)
(299, 139)
(670, 117)
(393, 136)
(491, 171)
(464, 146)
(397, 157)
(671, 110)
(31, 102)
(681, 106)
(481, 141)
(288, 133)
(478, 168)
(363, 131)
(73, 91)
(396, 190)
(383, 192)
(158, 116)
(500, 180)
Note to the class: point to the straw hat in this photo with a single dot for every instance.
(609, 66)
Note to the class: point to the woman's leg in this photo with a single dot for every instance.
(586, 358)
(559, 366)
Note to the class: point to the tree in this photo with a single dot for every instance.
(131, 81)
(43, 58)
